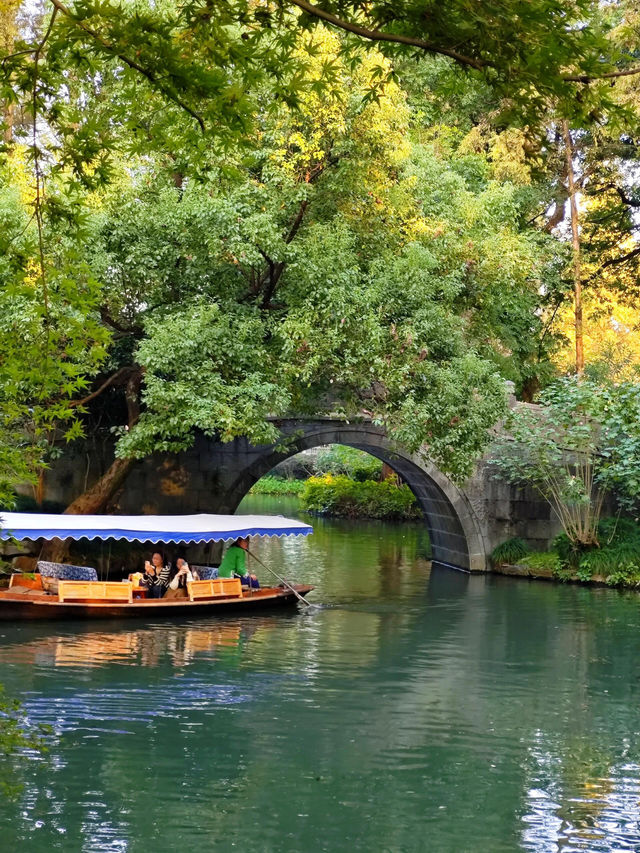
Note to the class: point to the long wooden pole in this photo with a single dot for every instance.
(575, 242)
(282, 580)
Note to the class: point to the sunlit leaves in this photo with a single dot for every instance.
(49, 347)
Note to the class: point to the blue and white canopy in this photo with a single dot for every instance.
(147, 528)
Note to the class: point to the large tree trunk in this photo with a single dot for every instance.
(96, 498)
(575, 242)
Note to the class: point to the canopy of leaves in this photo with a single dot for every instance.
(51, 338)
(204, 56)
(240, 207)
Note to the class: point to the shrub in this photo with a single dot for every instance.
(627, 574)
(509, 552)
(583, 441)
(617, 556)
(342, 496)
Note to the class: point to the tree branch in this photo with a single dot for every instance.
(119, 374)
(608, 75)
(625, 198)
(432, 47)
(377, 35)
(297, 222)
(110, 48)
(136, 331)
(558, 214)
(622, 259)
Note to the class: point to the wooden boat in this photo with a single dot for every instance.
(19, 602)
(36, 598)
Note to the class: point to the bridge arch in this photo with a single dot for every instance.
(454, 529)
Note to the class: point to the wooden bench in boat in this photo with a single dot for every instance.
(95, 591)
(215, 588)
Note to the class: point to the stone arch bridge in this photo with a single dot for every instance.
(465, 523)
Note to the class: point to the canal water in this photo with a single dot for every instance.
(418, 709)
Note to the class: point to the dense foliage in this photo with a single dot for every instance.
(615, 561)
(340, 495)
(349, 461)
(18, 740)
(583, 442)
(217, 213)
(271, 485)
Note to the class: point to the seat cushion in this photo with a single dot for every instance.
(206, 573)
(64, 572)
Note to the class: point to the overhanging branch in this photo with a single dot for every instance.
(432, 47)
(621, 259)
(115, 377)
(131, 63)
(608, 75)
(378, 35)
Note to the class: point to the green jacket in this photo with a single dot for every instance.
(235, 560)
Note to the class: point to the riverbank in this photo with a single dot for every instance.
(545, 574)
(541, 573)
(615, 562)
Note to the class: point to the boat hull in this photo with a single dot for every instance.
(17, 607)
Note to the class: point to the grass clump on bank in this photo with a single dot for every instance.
(277, 486)
(546, 562)
(341, 496)
(510, 552)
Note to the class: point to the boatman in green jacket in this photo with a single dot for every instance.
(234, 564)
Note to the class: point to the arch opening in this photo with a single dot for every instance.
(454, 530)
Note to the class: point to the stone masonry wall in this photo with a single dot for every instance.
(201, 479)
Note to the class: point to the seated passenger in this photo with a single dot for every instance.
(234, 564)
(156, 575)
(182, 576)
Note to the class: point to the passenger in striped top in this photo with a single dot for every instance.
(156, 575)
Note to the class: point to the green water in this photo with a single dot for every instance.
(419, 710)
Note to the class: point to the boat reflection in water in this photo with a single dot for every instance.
(141, 647)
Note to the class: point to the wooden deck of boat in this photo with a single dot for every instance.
(37, 604)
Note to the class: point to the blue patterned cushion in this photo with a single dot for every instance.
(206, 573)
(63, 572)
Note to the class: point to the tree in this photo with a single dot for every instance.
(299, 288)
(611, 336)
(264, 206)
(582, 174)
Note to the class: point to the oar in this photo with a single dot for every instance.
(282, 580)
